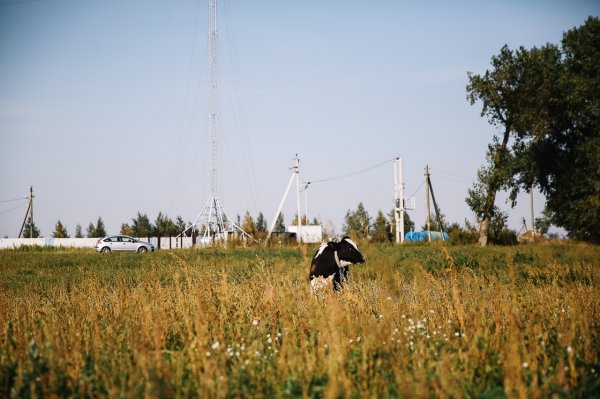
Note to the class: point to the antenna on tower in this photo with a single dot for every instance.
(213, 224)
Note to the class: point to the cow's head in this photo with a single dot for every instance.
(347, 252)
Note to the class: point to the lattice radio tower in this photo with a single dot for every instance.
(212, 223)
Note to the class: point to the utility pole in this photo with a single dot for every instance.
(399, 200)
(427, 202)
(31, 211)
(295, 175)
(28, 213)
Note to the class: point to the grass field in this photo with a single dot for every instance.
(417, 321)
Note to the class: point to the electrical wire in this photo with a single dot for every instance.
(15, 199)
(417, 190)
(13, 208)
(352, 173)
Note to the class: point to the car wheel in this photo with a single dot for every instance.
(142, 250)
(105, 250)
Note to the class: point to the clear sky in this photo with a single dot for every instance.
(104, 104)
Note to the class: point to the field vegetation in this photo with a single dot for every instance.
(416, 321)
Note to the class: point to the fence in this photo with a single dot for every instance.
(165, 242)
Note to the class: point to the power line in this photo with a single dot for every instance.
(15, 199)
(352, 173)
(417, 190)
(13, 208)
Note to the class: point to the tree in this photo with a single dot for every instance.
(164, 226)
(357, 223)
(409, 225)
(30, 230)
(60, 231)
(546, 102)
(91, 231)
(279, 224)
(261, 223)
(249, 226)
(381, 228)
(516, 95)
(435, 223)
(566, 154)
(180, 225)
(78, 231)
(126, 230)
(99, 230)
(304, 220)
(543, 223)
(141, 226)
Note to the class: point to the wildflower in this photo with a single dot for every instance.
(569, 349)
(456, 334)
(269, 340)
(525, 365)
(254, 322)
(215, 345)
(357, 339)
(208, 354)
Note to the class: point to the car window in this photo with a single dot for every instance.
(126, 239)
(112, 239)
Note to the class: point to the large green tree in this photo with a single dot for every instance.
(164, 226)
(566, 155)
(545, 104)
(357, 223)
(141, 226)
(381, 228)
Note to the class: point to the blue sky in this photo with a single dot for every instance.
(104, 104)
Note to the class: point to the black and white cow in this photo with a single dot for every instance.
(331, 261)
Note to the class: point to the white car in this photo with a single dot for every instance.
(122, 243)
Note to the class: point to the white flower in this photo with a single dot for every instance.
(525, 365)
(208, 354)
(357, 339)
(215, 346)
(569, 349)
(254, 322)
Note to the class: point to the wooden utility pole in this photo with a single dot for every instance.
(28, 213)
(31, 211)
(427, 202)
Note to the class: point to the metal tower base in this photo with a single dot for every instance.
(212, 225)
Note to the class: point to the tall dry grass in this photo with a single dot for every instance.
(414, 322)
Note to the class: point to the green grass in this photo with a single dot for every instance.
(416, 321)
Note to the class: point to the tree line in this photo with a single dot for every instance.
(162, 226)
(357, 224)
